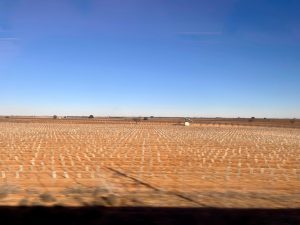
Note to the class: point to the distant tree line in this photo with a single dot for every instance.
(65, 117)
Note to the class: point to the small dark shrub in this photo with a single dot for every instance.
(46, 197)
(91, 117)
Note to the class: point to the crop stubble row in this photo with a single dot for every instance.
(132, 158)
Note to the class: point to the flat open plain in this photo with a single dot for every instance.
(73, 163)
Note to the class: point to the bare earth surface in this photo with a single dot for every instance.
(149, 164)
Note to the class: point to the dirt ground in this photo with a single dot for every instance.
(149, 163)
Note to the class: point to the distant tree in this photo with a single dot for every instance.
(7, 117)
(151, 117)
(91, 117)
(146, 118)
(293, 120)
(55, 117)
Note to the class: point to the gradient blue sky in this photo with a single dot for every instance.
(150, 57)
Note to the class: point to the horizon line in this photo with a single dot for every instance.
(132, 116)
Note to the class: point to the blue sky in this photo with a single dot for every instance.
(150, 57)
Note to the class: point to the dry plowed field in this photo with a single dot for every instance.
(149, 164)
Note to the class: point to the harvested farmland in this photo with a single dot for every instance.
(75, 163)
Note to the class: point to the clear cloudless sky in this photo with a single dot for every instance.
(150, 57)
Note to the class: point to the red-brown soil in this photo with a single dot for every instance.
(151, 163)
